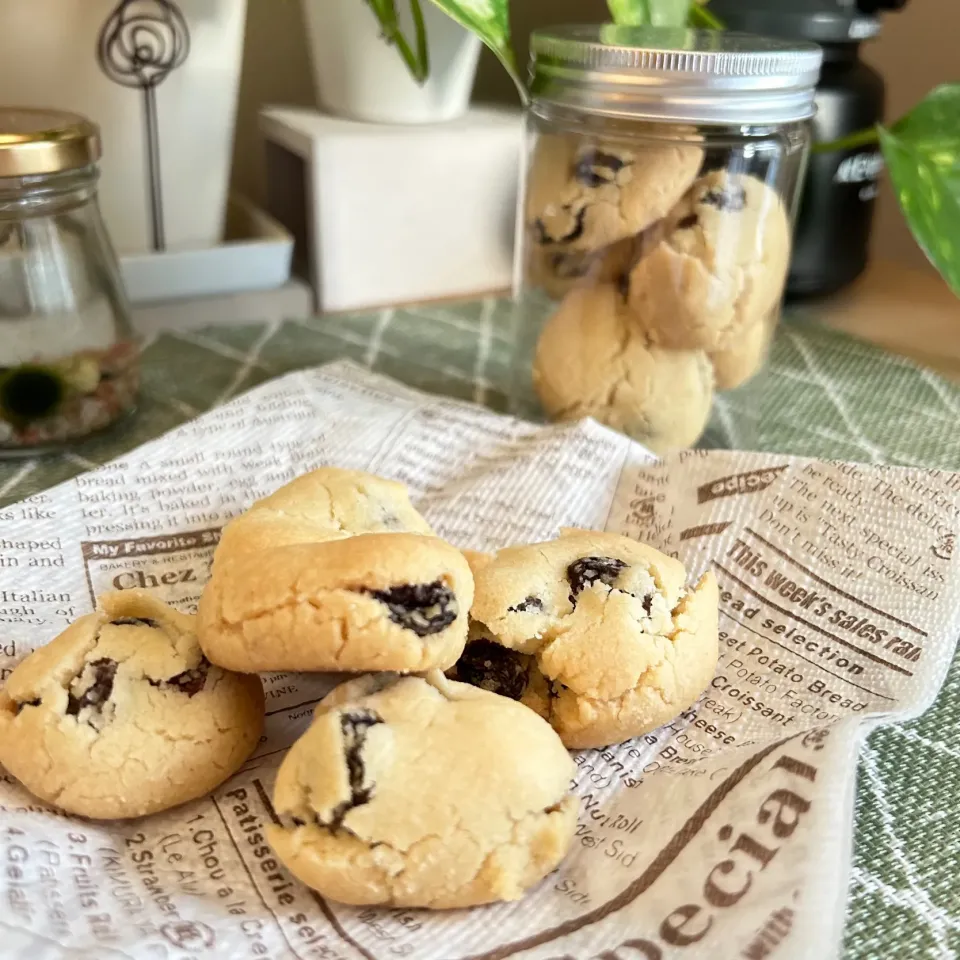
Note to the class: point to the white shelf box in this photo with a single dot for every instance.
(390, 214)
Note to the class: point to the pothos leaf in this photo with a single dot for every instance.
(922, 151)
(490, 21)
(658, 13)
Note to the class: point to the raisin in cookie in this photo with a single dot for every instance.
(422, 792)
(377, 601)
(587, 195)
(592, 361)
(121, 715)
(720, 268)
(595, 632)
(557, 273)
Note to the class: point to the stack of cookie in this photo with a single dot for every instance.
(439, 775)
(669, 274)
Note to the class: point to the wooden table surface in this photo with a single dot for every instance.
(905, 310)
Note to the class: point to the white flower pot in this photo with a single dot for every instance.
(48, 58)
(360, 77)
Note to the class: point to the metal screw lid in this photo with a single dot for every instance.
(667, 73)
(35, 142)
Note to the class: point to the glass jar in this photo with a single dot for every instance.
(655, 231)
(68, 362)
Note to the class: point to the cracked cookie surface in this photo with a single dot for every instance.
(335, 572)
(613, 647)
(720, 269)
(324, 504)
(586, 195)
(592, 361)
(121, 715)
(423, 792)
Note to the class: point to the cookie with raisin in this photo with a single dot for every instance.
(121, 715)
(380, 801)
(324, 504)
(595, 632)
(584, 194)
(719, 271)
(336, 572)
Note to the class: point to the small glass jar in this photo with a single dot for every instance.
(68, 362)
(655, 232)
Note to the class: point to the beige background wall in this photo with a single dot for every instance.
(917, 51)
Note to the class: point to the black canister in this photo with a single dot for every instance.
(832, 237)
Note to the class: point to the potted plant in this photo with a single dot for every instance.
(359, 77)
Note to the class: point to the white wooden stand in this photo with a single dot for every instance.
(388, 214)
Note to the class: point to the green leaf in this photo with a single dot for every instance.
(922, 151)
(658, 13)
(490, 21)
(418, 62)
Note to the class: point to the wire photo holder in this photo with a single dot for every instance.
(140, 45)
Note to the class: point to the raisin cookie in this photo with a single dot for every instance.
(325, 504)
(720, 268)
(595, 632)
(583, 195)
(121, 715)
(372, 602)
(593, 361)
(422, 792)
(335, 571)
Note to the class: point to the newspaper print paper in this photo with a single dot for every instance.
(725, 834)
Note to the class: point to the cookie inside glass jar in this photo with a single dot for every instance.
(663, 170)
(720, 269)
(586, 193)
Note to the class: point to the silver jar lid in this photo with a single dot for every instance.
(670, 73)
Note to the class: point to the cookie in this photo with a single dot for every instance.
(422, 792)
(720, 268)
(476, 559)
(325, 504)
(593, 361)
(584, 195)
(335, 571)
(737, 364)
(557, 273)
(121, 715)
(376, 601)
(595, 632)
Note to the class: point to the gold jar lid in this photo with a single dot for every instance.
(45, 141)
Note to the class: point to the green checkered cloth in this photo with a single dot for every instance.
(825, 396)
